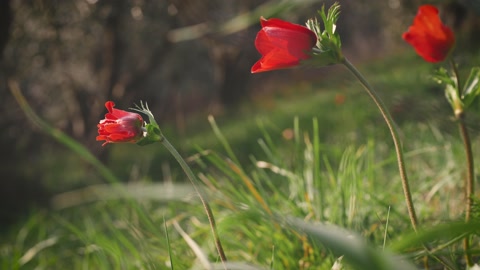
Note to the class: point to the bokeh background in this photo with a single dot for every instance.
(186, 58)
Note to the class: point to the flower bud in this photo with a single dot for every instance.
(119, 126)
(431, 39)
(282, 45)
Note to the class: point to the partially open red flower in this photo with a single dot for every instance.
(431, 39)
(282, 44)
(119, 126)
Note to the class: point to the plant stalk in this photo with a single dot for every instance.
(395, 136)
(205, 204)
(469, 182)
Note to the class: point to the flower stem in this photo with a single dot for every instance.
(399, 152)
(395, 136)
(205, 204)
(469, 182)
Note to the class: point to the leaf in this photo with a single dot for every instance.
(442, 76)
(443, 231)
(455, 101)
(355, 250)
(328, 51)
(472, 87)
(474, 267)
(32, 252)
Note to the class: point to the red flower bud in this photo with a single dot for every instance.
(119, 126)
(282, 44)
(431, 39)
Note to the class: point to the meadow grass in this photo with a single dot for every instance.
(307, 184)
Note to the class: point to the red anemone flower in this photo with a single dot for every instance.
(282, 44)
(431, 39)
(119, 126)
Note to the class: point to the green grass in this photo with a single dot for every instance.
(331, 190)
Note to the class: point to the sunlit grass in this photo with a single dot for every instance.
(294, 186)
(114, 229)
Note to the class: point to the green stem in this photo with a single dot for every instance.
(399, 152)
(395, 136)
(205, 204)
(469, 182)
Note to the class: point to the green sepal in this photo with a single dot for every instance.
(153, 134)
(472, 87)
(330, 22)
(328, 48)
(443, 77)
(454, 99)
(451, 89)
(152, 130)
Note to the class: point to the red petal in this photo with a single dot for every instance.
(290, 26)
(282, 45)
(119, 126)
(431, 39)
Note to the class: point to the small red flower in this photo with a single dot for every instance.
(431, 39)
(119, 126)
(282, 44)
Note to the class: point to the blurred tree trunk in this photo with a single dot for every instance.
(5, 23)
(231, 56)
(17, 191)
